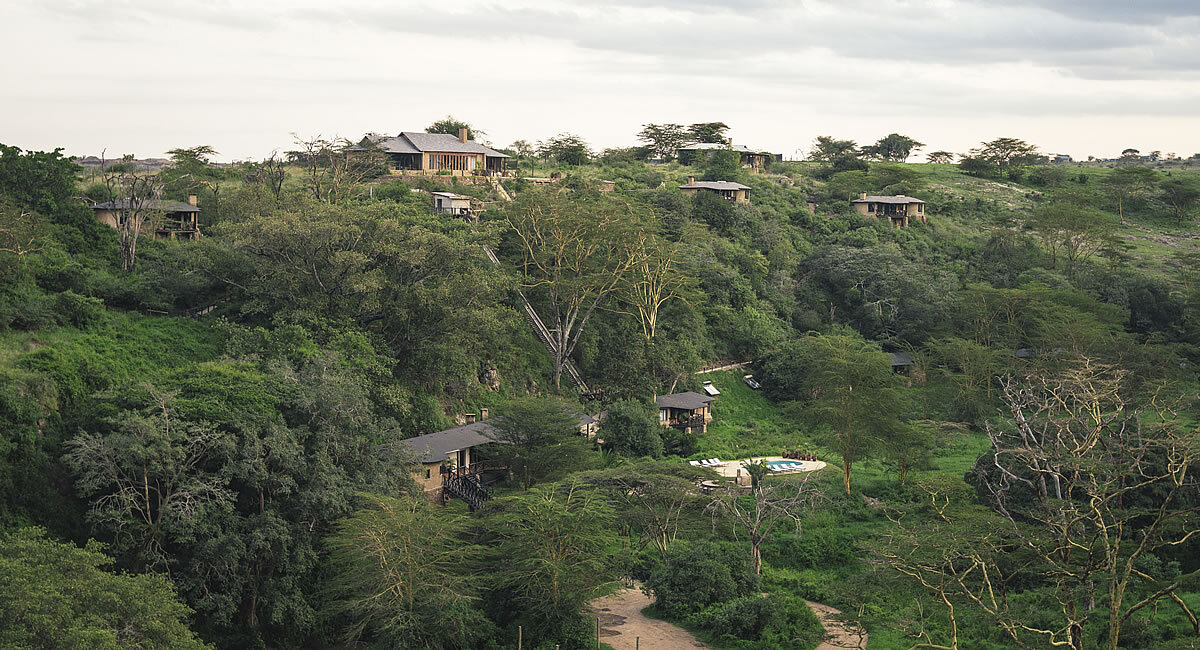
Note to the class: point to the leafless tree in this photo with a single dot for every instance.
(1082, 487)
(133, 196)
(334, 169)
(770, 502)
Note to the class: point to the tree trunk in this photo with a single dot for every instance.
(846, 465)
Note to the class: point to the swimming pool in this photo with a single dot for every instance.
(779, 465)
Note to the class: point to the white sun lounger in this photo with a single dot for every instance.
(695, 463)
(715, 461)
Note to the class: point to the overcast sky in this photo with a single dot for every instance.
(143, 76)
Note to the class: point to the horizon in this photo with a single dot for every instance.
(1069, 76)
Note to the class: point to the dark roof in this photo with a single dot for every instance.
(152, 204)
(901, 359)
(690, 400)
(412, 142)
(714, 185)
(899, 199)
(435, 447)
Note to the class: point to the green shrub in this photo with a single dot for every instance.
(696, 576)
(820, 548)
(78, 311)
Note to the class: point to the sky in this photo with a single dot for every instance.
(1081, 77)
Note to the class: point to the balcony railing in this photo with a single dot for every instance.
(693, 422)
(468, 470)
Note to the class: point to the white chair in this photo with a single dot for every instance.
(695, 463)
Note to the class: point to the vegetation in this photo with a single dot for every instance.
(223, 416)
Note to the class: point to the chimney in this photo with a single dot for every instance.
(470, 418)
(730, 141)
(483, 413)
(192, 200)
(462, 134)
(862, 195)
(691, 180)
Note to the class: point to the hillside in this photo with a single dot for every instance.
(228, 416)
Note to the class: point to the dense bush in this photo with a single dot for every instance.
(695, 576)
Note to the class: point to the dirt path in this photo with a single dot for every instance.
(622, 623)
(841, 635)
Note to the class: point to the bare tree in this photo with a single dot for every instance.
(769, 503)
(270, 173)
(1084, 488)
(335, 166)
(133, 196)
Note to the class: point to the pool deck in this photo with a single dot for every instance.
(734, 468)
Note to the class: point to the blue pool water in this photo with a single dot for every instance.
(776, 464)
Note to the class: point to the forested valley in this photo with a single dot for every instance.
(202, 440)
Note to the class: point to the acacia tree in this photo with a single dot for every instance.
(940, 157)
(664, 139)
(654, 279)
(708, 132)
(566, 148)
(523, 149)
(334, 171)
(579, 250)
(1072, 232)
(134, 196)
(1182, 195)
(893, 147)
(450, 125)
(551, 556)
(769, 503)
(848, 387)
(400, 573)
(1126, 183)
(826, 148)
(1089, 495)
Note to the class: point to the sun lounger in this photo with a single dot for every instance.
(714, 462)
(695, 463)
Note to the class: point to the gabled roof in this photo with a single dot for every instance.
(411, 142)
(899, 199)
(435, 447)
(450, 195)
(901, 359)
(152, 204)
(714, 185)
(690, 401)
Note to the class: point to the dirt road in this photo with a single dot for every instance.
(622, 623)
(841, 635)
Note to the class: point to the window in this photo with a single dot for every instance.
(920, 207)
(427, 475)
(870, 207)
(662, 415)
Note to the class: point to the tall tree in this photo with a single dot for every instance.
(400, 576)
(566, 148)
(632, 429)
(524, 149)
(1126, 183)
(1182, 194)
(1090, 496)
(134, 195)
(827, 148)
(538, 439)
(940, 157)
(664, 140)
(893, 147)
(334, 171)
(709, 132)
(1006, 153)
(551, 558)
(770, 503)
(654, 280)
(576, 249)
(848, 388)
(1072, 232)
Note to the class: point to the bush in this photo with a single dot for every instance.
(632, 429)
(696, 576)
(775, 621)
(816, 548)
(78, 311)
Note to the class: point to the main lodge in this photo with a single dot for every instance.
(415, 152)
